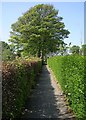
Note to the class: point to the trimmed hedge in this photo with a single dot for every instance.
(70, 73)
(18, 79)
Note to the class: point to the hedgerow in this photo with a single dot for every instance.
(18, 79)
(70, 73)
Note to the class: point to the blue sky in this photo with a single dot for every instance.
(72, 13)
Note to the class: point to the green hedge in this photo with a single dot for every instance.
(70, 73)
(18, 79)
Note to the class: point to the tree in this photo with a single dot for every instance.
(39, 31)
(75, 49)
(83, 49)
(7, 54)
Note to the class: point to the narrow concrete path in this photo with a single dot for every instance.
(47, 100)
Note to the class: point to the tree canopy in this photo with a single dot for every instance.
(75, 49)
(83, 49)
(38, 31)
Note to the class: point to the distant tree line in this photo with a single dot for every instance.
(9, 54)
(6, 52)
(77, 50)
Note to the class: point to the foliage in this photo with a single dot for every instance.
(75, 49)
(18, 79)
(7, 54)
(38, 31)
(70, 72)
(63, 49)
(83, 49)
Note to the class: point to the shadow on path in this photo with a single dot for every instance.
(46, 101)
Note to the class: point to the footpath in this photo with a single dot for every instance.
(47, 100)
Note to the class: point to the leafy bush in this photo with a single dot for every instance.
(18, 79)
(70, 72)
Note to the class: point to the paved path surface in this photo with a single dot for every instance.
(47, 100)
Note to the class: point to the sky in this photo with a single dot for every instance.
(42, 0)
(72, 13)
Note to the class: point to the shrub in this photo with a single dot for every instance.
(70, 72)
(18, 79)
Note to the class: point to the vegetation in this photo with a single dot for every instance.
(83, 49)
(18, 79)
(70, 72)
(38, 31)
(7, 53)
(75, 49)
